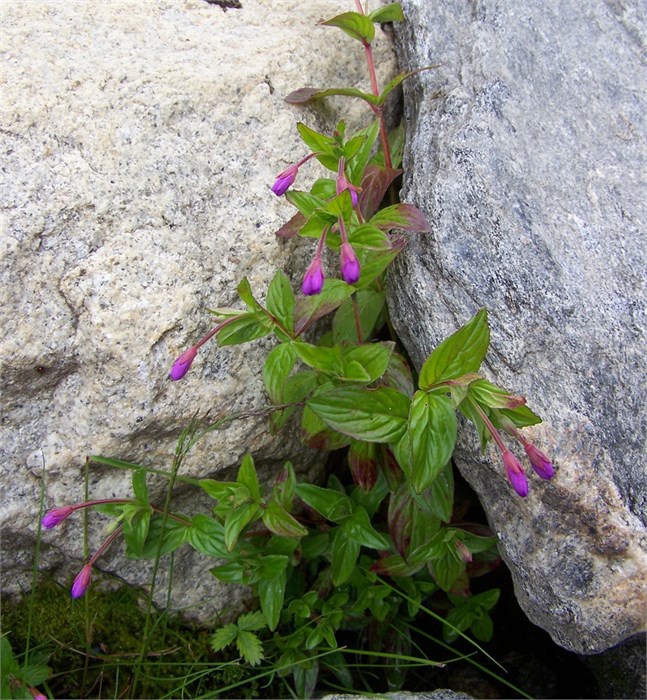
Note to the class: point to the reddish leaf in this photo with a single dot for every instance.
(291, 228)
(375, 183)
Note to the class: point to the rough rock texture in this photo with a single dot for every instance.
(526, 149)
(139, 141)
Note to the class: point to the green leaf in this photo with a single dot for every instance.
(521, 416)
(248, 327)
(316, 434)
(402, 216)
(487, 394)
(345, 552)
(140, 489)
(250, 647)
(482, 628)
(224, 636)
(306, 203)
(359, 528)
(280, 522)
(251, 621)
(357, 26)
(356, 165)
(245, 293)
(340, 206)
(312, 308)
(373, 415)
(233, 572)
(324, 359)
(247, 476)
(237, 519)
(207, 536)
(276, 370)
(280, 301)
(136, 531)
(316, 141)
(333, 505)
(388, 13)
(271, 587)
(392, 84)
(373, 358)
(440, 495)
(325, 188)
(432, 431)
(173, 536)
(35, 674)
(459, 354)
(305, 94)
(374, 262)
(370, 237)
(370, 304)
(398, 374)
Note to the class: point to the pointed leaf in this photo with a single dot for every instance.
(357, 26)
(345, 552)
(250, 647)
(207, 536)
(303, 95)
(248, 327)
(280, 301)
(223, 637)
(432, 434)
(235, 522)
(402, 216)
(314, 140)
(280, 522)
(333, 505)
(461, 353)
(311, 309)
(373, 415)
(140, 489)
(247, 476)
(291, 228)
(276, 370)
(375, 183)
(388, 13)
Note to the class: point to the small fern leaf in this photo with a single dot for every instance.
(250, 647)
(223, 637)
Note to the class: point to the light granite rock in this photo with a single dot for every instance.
(526, 149)
(139, 141)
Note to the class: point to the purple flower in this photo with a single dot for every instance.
(56, 516)
(81, 582)
(183, 363)
(284, 180)
(314, 278)
(349, 264)
(515, 473)
(539, 462)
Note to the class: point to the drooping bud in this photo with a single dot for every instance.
(349, 264)
(515, 473)
(81, 582)
(539, 462)
(344, 184)
(314, 278)
(56, 516)
(183, 363)
(284, 180)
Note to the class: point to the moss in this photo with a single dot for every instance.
(94, 646)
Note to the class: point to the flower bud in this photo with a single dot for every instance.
(183, 363)
(539, 462)
(81, 582)
(56, 516)
(349, 264)
(284, 180)
(314, 278)
(515, 473)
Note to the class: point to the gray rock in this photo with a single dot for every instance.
(526, 149)
(139, 142)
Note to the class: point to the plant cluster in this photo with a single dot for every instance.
(363, 553)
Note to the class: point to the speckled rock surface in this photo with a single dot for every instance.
(139, 141)
(526, 149)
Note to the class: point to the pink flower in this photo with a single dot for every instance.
(515, 473)
(56, 516)
(82, 581)
(539, 462)
(314, 278)
(284, 180)
(183, 363)
(349, 264)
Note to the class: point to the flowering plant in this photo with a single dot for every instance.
(367, 549)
